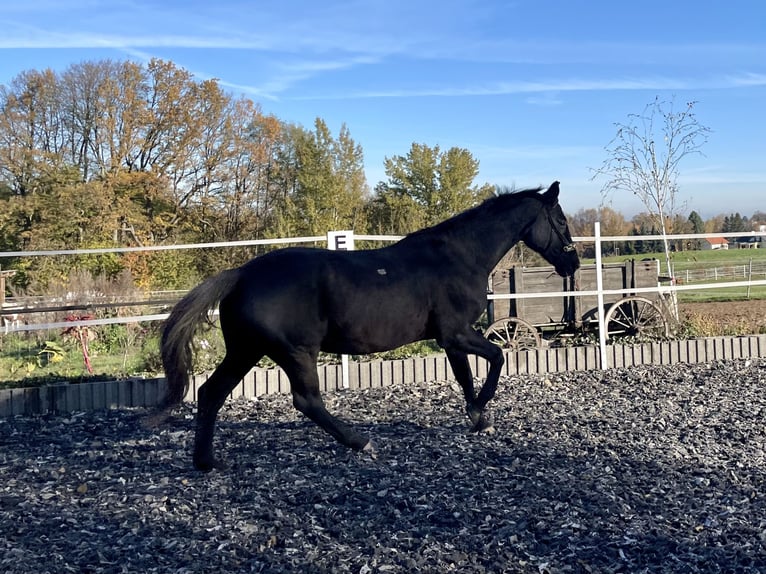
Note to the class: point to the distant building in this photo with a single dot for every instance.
(752, 242)
(714, 243)
(747, 242)
(761, 228)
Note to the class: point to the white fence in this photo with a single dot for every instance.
(752, 270)
(346, 239)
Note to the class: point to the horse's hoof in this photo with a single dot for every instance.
(369, 449)
(483, 426)
(206, 465)
(475, 418)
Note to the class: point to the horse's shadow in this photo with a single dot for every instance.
(238, 441)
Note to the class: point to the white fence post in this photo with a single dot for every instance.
(600, 297)
(341, 241)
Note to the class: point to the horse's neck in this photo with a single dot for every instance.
(487, 240)
(477, 242)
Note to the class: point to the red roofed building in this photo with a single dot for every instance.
(715, 243)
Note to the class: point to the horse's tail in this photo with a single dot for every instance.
(178, 333)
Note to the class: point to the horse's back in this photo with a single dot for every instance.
(278, 281)
(354, 300)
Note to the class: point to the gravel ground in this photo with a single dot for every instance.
(649, 469)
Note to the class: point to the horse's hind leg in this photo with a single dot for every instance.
(210, 398)
(304, 384)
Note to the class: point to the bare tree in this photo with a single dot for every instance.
(644, 157)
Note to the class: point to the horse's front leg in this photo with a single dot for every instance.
(461, 368)
(457, 354)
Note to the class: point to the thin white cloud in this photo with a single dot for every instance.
(454, 32)
(55, 40)
(545, 99)
(720, 174)
(555, 86)
(295, 38)
(748, 80)
(317, 29)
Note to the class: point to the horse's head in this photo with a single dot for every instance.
(549, 234)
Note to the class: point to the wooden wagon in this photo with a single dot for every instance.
(541, 321)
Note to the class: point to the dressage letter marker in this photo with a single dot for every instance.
(342, 241)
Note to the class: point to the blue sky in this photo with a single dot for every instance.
(532, 89)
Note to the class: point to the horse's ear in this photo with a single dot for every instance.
(551, 196)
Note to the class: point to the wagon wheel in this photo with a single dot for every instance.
(636, 317)
(513, 333)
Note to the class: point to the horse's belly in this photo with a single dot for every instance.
(374, 331)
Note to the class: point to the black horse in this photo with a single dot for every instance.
(292, 303)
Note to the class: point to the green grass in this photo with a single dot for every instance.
(694, 260)
(723, 294)
(683, 260)
(24, 357)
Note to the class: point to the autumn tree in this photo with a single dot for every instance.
(253, 189)
(612, 223)
(163, 156)
(29, 132)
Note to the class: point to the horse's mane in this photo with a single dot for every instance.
(502, 200)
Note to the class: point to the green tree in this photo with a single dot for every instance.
(645, 224)
(680, 225)
(697, 226)
(734, 222)
(392, 212)
(324, 184)
(425, 187)
(697, 223)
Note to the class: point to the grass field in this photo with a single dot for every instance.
(733, 265)
(724, 293)
(698, 259)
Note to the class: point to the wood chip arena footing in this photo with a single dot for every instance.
(640, 470)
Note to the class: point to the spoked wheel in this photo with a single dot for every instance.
(513, 333)
(636, 317)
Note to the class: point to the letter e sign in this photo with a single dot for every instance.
(340, 240)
